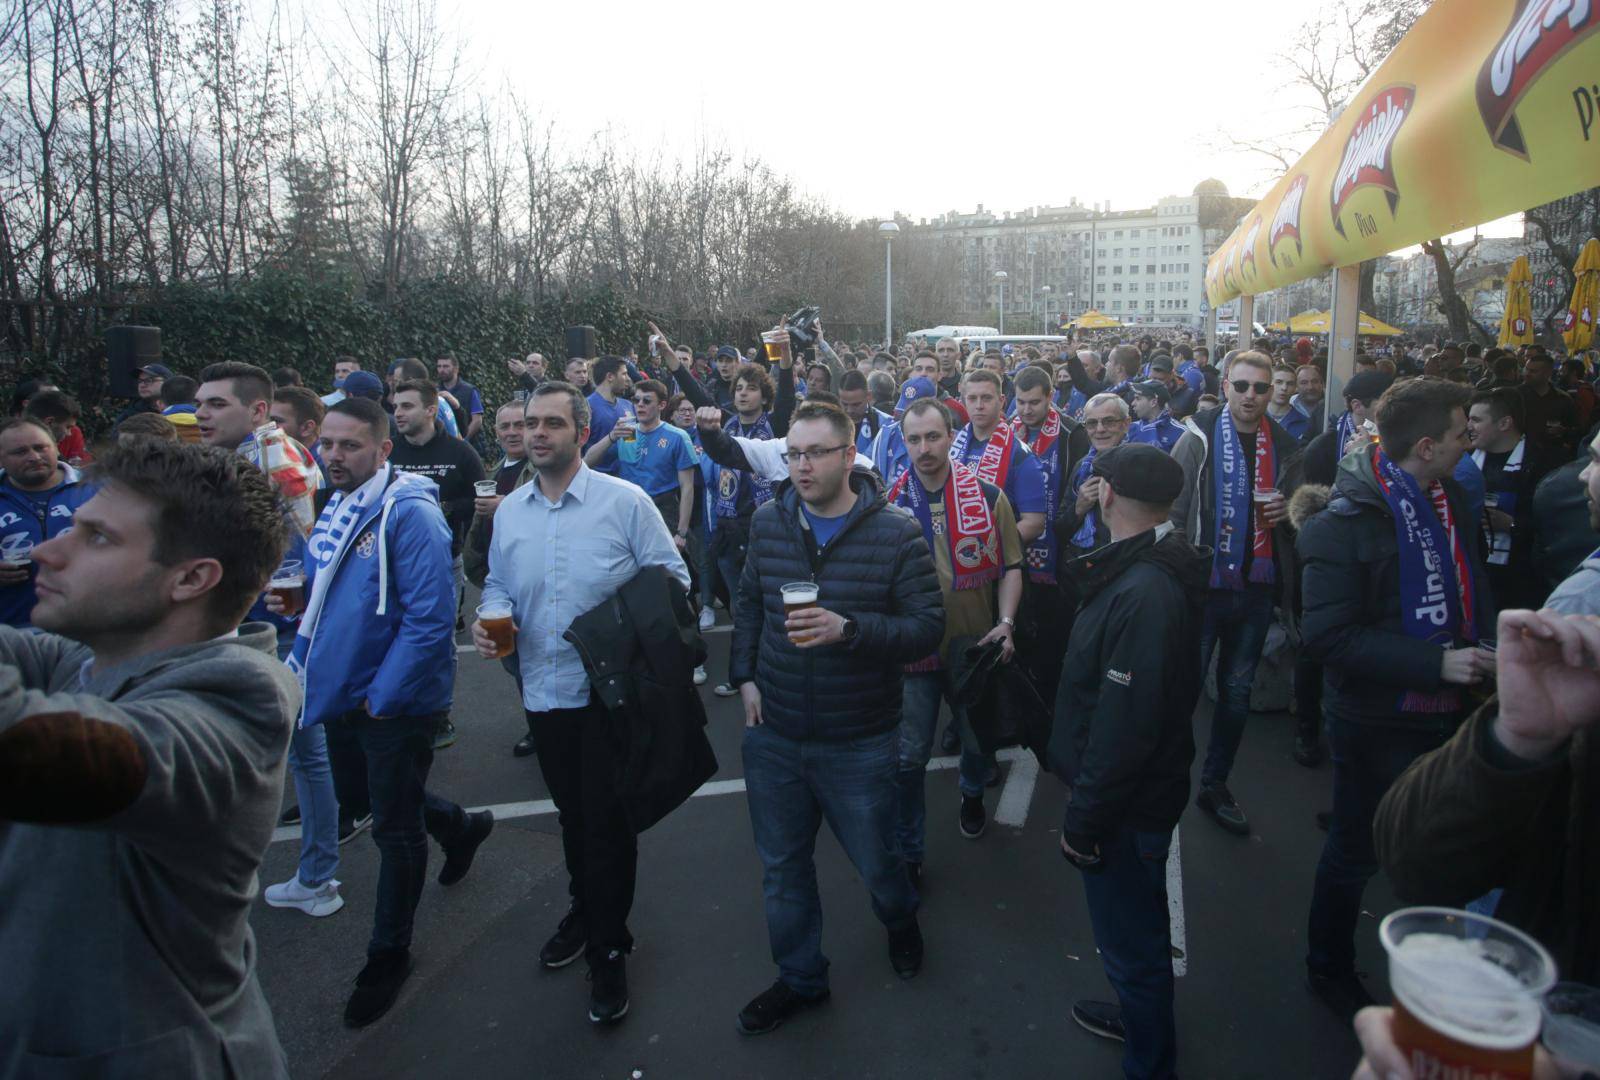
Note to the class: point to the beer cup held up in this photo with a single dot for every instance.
(776, 343)
(797, 596)
(288, 584)
(495, 618)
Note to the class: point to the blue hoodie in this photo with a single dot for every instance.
(35, 517)
(386, 635)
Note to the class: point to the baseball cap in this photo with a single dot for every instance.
(1140, 471)
(1154, 389)
(363, 384)
(1161, 362)
(158, 370)
(728, 352)
(920, 387)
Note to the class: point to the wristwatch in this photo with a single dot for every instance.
(851, 627)
(1009, 621)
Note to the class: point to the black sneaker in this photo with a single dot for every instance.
(290, 816)
(973, 818)
(1100, 1018)
(350, 828)
(1344, 995)
(770, 1008)
(950, 741)
(376, 987)
(1217, 800)
(914, 872)
(1308, 752)
(567, 943)
(608, 988)
(724, 689)
(459, 852)
(444, 736)
(525, 747)
(905, 950)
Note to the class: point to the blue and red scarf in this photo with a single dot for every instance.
(1438, 590)
(1084, 537)
(729, 482)
(994, 464)
(1041, 554)
(969, 527)
(1236, 510)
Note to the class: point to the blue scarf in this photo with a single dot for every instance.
(729, 483)
(1437, 586)
(1084, 537)
(1071, 404)
(1347, 431)
(1235, 525)
(1041, 554)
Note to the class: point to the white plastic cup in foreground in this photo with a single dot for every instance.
(17, 555)
(1266, 495)
(289, 585)
(1466, 990)
(797, 596)
(1572, 1029)
(485, 489)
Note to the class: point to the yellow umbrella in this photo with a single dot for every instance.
(1516, 325)
(1578, 332)
(1094, 320)
(1318, 322)
(1371, 327)
(1277, 326)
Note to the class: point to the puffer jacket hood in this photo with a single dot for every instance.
(1307, 502)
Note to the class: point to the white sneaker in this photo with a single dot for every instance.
(708, 618)
(322, 901)
(700, 675)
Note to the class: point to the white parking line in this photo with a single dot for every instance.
(505, 811)
(1180, 939)
(1017, 795)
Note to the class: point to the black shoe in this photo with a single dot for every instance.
(567, 943)
(444, 736)
(950, 741)
(914, 872)
(1324, 820)
(290, 816)
(1217, 800)
(350, 828)
(973, 818)
(905, 950)
(1308, 752)
(376, 987)
(1100, 1018)
(991, 776)
(459, 852)
(725, 689)
(525, 747)
(1344, 995)
(770, 1008)
(608, 988)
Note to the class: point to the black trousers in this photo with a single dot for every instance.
(578, 760)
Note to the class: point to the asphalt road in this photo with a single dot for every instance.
(1008, 941)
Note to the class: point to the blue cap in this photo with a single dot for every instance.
(920, 387)
(363, 384)
(728, 351)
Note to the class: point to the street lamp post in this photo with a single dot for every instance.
(1044, 327)
(1000, 276)
(888, 230)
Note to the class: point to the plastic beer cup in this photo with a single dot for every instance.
(495, 618)
(288, 584)
(484, 489)
(776, 343)
(797, 596)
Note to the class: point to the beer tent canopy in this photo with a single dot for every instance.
(1319, 322)
(1470, 118)
(1094, 320)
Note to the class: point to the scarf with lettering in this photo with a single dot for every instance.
(994, 465)
(1235, 506)
(729, 482)
(1084, 537)
(969, 527)
(1347, 431)
(1437, 590)
(1041, 554)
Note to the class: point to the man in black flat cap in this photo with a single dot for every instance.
(1123, 742)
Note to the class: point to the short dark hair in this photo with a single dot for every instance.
(757, 377)
(829, 413)
(250, 383)
(933, 405)
(574, 396)
(54, 405)
(651, 386)
(1537, 355)
(423, 388)
(1503, 401)
(147, 425)
(1032, 378)
(605, 367)
(11, 423)
(306, 405)
(337, 360)
(210, 504)
(366, 410)
(853, 380)
(825, 397)
(178, 390)
(1417, 409)
(287, 376)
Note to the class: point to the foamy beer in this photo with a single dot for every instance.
(798, 596)
(496, 621)
(1466, 992)
(629, 428)
(288, 584)
(776, 342)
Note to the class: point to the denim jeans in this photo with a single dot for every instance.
(1236, 624)
(602, 852)
(792, 786)
(380, 767)
(1127, 899)
(729, 543)
(919, 718)
(319, 808)
(1367, 759)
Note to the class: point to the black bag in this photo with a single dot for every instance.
(1002, 704)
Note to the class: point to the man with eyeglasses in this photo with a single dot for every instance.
(150, 377)
(1079, 527)
(1239, 468)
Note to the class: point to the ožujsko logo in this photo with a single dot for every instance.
(1247, 261)
(1230, 266)
(1286, 221)
(1366, 161)
(1540, 32)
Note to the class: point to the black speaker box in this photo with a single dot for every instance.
(580, 342)
(129, 348)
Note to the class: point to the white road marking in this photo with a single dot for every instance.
(1017, 795)
(505, 811)
(1180, 940)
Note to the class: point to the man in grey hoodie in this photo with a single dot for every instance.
(141, 767)
(1579, 594)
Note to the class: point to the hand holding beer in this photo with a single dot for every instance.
(16, 563)
(286, 592)
(625, 430)
(776, 343)
(487, 499)
(494, 633)
(807, 624)
(1271, 503)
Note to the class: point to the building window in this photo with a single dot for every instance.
(1117, 235)
(1116, 287)
(1134, 269)
(1150, 268)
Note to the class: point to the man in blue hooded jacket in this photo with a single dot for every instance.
(39, 493)
(374, 652)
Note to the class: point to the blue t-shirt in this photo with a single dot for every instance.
(1024, 485)
(824, 528)
(464, 392)
(602, 418)
(653, 459)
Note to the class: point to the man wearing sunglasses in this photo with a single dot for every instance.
(1239, 468)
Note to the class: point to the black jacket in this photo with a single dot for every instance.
(1562, 538)
(1350, 594)
(640, 648)
(454, 466)
(1123, 740)
(877, 570)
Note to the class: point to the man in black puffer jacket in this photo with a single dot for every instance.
(822, 712)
